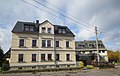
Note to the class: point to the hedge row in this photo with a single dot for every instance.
(43, 70)
(105, 65)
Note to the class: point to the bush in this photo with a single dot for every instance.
(5, 66)
(89, 67)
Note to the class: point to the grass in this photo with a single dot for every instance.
(89, 67)
(118, 63)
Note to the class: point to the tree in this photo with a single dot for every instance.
(113, 56)
(1, 56)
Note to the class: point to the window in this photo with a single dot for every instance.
(57, 57)
(48, 43)
(63, 31)
(57, 43)
(33, 57)
(80, 46)
(49, 56)
(42, 57)
(59, 30)
(83, 51)
(23, 28)
(90, 45)
(90, 51)
(67, 57)
(21, 42)
(79, 52)
(43, 43)
(26, 28)
(67, 43)
(49, 30)
(34, 42)
(31, 28)
(20, 68)
(43, 29)
(99, 45)
(20, 57)
(103, 51)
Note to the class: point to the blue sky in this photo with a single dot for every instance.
(81, 16)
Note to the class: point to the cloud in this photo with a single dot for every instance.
(105, 14)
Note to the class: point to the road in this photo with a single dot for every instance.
(93, 72)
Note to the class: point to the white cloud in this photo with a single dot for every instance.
(105, 14)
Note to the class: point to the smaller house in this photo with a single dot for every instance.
(86, 51)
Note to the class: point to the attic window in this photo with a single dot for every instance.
(80, 46)
(43, 29)
(59, 30)
(31, 28)
(63, 31)
(26, 28)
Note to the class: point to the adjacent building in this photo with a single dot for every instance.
(86, 51)
(42, 45)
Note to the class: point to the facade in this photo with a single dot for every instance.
(42, 45)
(86, 51)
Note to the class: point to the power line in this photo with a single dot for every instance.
(83, 23)
(60, 13)
(55, 15)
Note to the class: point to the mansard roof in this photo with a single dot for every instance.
(19, 28)
(88, 44)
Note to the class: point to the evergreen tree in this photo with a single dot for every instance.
(1, 56)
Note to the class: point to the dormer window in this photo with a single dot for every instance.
(63, 31)
(43, 29)
(26, 28)
(59, 30)
(31, 28)
(49, 30)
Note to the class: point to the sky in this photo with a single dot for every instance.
(81, 16)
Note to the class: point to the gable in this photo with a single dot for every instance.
(46, 25)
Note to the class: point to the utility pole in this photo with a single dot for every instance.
(55, 50)
(98, 57)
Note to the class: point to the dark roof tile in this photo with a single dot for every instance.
(18, 28)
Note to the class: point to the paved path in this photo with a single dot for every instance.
(94, 72)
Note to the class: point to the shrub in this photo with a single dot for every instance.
(5, 66)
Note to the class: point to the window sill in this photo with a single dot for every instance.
(68, 48)
(34, 61)
(21, 62)
(59, 47)
(43, 61)
(34, 46)
(45, 33)
(58, 60)
(47, 47)
(47, 61)
(69, 60)
(22, 47)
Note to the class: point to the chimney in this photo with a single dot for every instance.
(37, 21)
